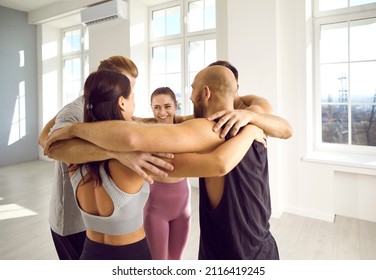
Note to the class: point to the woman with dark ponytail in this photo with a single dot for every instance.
(111, 197)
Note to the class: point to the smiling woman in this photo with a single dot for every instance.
(167, 234)
(164, 105)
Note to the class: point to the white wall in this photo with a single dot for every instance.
(50, 53)
(18, 88)
(254, 53)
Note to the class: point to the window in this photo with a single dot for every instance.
(75, 62)
(346, 73)
(182, 42)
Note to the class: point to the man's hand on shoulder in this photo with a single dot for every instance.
(231, 121)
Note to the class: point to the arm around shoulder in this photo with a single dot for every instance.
(220, 161)
(122, 136)
(44, 134)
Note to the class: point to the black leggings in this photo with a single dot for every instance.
(69, 247)
(99, 251)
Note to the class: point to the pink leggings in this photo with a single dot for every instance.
(167, 219)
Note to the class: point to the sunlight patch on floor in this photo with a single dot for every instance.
(11, 211)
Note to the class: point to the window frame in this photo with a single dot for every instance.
(327, 17)
(82, 54)
(183, 38)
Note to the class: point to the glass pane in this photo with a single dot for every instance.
(158, 81)
(334, 124)
(72, 41)
(363, 39)
(67, 69)
(210, 51)
(67, 46)
(334, 82)
(363, 125)
(173, 59)
(191, 77)
(76, 40)
(363, 82)
(72, 69)
(158, 22)
(360, 2)
(210, 14)
(334, 43)
(195, 16)
(72, 84)
(173, 21)
(179, 99)
(159, 60)
(72, 90)
(196, 56)
(174, 82)
(325, 5)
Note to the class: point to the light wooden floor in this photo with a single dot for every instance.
(25, 235)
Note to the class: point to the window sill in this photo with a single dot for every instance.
(347, 162)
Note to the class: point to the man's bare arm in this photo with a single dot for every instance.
(144, 120)
(191, 136)
(221, 160)
(232, 121)
(259, 114)
(253, 103)
(178, 119)
(250, 102)
(80, 151)
(76, 151)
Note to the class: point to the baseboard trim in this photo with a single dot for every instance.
(311, 214)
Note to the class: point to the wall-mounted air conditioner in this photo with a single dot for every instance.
(104, 11)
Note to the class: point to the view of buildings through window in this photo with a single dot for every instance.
(347, 77)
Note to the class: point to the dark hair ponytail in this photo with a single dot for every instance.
(102, 91)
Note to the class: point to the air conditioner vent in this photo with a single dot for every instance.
(104, 11)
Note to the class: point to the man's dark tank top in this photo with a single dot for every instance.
(239, 227)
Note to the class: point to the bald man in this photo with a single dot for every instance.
(234, 209)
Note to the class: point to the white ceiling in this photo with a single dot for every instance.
(30, 5)
(27, 6)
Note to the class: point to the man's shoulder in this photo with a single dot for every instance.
(70, 113)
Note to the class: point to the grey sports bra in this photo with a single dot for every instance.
(128, 208)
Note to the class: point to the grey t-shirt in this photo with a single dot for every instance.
(65, 217)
